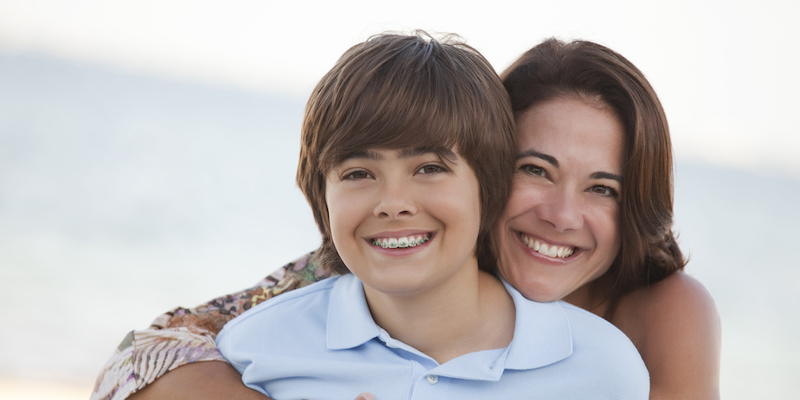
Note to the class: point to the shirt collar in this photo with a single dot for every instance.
(542, 334)
(350, 323)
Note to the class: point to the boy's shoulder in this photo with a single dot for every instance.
(569, 327)
(559, 332)
(601, 344)
(305, 302)
(592, 331)
(588, 320)
(573, 353)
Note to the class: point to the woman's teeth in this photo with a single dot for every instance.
(401, 242)
(547, 250)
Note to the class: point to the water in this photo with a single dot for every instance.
(739, 228)
(122, 197)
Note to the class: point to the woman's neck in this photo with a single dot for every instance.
(469, 313)
(594, 296)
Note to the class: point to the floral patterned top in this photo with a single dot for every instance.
(186, 335)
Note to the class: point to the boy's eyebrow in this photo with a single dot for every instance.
(362, 154)
(442, 151)
(407, 152)
(534, 153)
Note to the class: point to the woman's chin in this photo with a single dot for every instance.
(539, 292)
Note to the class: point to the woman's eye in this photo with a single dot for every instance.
(355, 175)
(431, 169)
(604, 191)
(531, 169)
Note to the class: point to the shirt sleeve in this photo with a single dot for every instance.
(186, 335)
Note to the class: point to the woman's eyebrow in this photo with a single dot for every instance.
(606, 175)
(534, 153)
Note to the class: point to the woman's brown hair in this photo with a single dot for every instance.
(400, 91)
(553, 69)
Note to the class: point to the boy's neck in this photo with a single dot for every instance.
(469, 313)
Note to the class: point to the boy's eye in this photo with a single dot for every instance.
(355, 175)
(431, 169)
(531, 169)
(603, 190)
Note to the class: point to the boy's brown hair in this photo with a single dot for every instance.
(400, 91)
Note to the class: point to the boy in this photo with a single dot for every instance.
(406, 159)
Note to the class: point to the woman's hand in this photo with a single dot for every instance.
(365, 396)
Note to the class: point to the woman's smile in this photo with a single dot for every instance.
(547, 249)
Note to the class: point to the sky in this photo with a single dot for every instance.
(724, 70)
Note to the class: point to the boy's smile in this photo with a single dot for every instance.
(404, 221)
(402, 242)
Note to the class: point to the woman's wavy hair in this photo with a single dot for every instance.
(554, 69)
(398, 91)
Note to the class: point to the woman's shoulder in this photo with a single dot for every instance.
(675, 325)
(676, 297)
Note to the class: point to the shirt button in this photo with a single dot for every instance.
(432, 379)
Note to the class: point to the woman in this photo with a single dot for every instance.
(589, 221)
(588, 191)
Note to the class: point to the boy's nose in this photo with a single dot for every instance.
(395, 201)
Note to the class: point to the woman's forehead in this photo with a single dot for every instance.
(573, 130)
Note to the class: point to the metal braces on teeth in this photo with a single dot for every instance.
(402, 242)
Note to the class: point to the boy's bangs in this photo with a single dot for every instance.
(409, 114)
(403, 106)
(421, 132)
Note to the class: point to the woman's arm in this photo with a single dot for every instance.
(208, 380)
(675, 325)
(203, 380)
(185, 336)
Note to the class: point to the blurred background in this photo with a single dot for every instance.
(148, 152)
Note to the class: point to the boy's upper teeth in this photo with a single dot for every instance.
(401, 242)
(549, 250)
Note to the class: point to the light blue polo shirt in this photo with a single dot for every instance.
(320, 342)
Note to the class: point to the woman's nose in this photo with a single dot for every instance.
(396, 199)
(562, 210)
